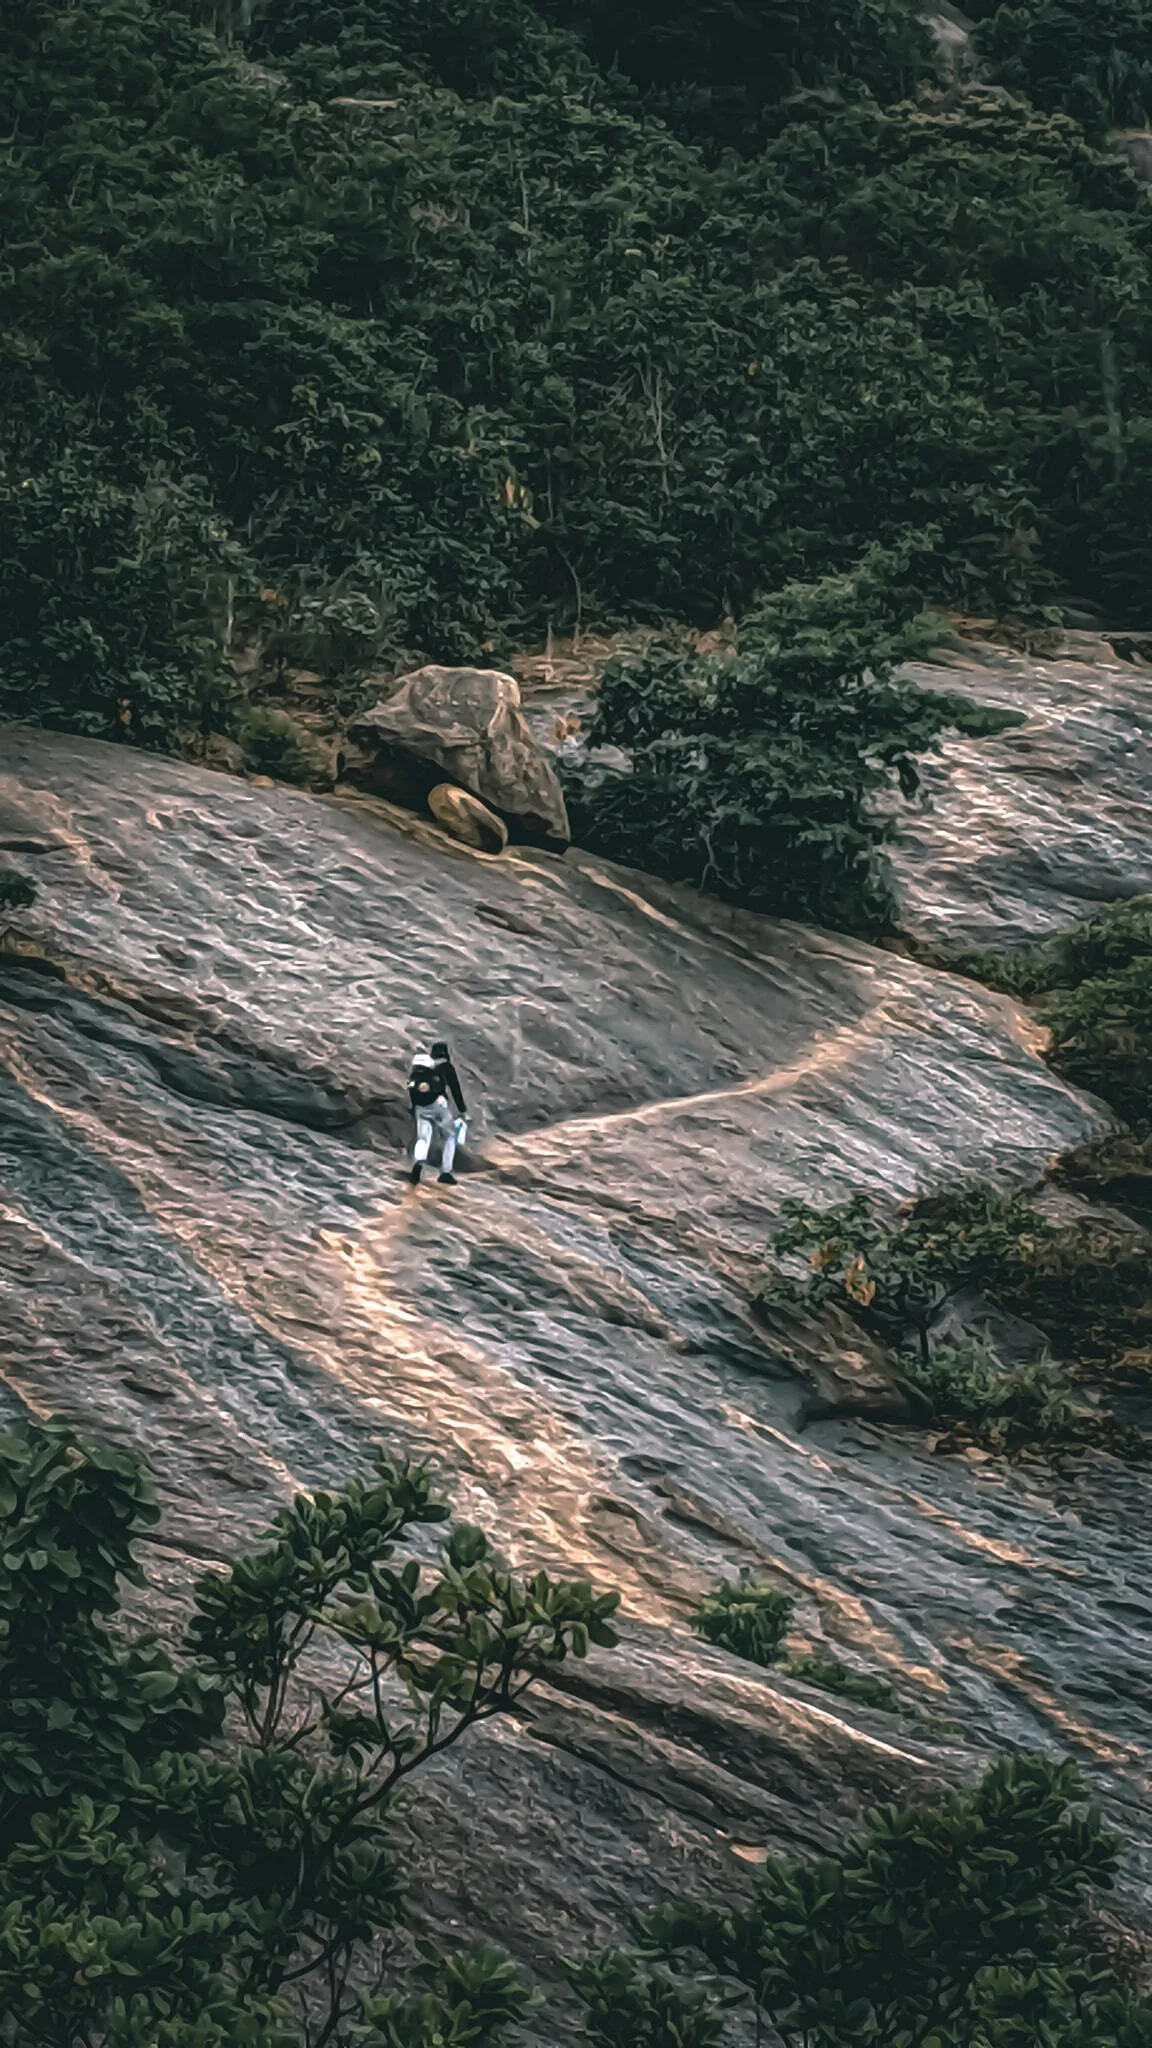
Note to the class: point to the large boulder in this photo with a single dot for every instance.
(461, 725)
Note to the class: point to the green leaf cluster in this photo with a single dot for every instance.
(160, 1883)
(953, 1924)
(80, 1707)
(1092, 984)
(1031, 1403)
(749, 1619)
(629, 2003)
(753, 1621)
(863, 1688)
(1088, 58)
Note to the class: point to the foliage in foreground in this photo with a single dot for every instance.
(755, 774)
(949, 1924)
(1087, 1289)
(196, 1850)
(160, 1887)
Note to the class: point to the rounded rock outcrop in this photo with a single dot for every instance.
(465, 726)
(467, 819)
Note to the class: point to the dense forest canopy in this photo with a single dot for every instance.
(435, 323)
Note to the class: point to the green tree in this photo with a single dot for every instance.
(949, 1923)
(755, 774)
(160, 1883)
(1089, 58)
(438, 323)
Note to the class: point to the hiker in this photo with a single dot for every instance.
(430, 1082)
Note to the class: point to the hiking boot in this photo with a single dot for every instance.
(417, 1170)
(448, 1179)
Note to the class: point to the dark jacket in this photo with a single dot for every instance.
(427, 1085)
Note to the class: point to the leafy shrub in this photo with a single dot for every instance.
(274, 745)
(862, 1687)
(464, 2002)
(158, 1887)
(1007, 1405)
(1092, 985)
(1115, 1169)
(79, 1707)
(952, 1922)
(753, 1621)
(749, 1619)
(754, 775)
(894, 1274)
(1089, 1290)
(630, 2005)
(1092, 948)
(1102, 1036)
(1089, 58)
(17, 892)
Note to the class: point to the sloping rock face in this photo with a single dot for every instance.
(1039, 826)
(464, 724)
(243, 1284)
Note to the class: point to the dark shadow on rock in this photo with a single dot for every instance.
(968, 1317)
(845, 1371)
(201, 1071)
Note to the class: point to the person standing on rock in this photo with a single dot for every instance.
(431, 1079)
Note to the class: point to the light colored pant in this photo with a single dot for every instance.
(438, 1117)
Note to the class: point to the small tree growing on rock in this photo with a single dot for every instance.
(1087, 1290)
(895, 1274)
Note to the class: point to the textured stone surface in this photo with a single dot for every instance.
(1030, 830)
(464, 725)
(466, 818)
(207, 1248)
